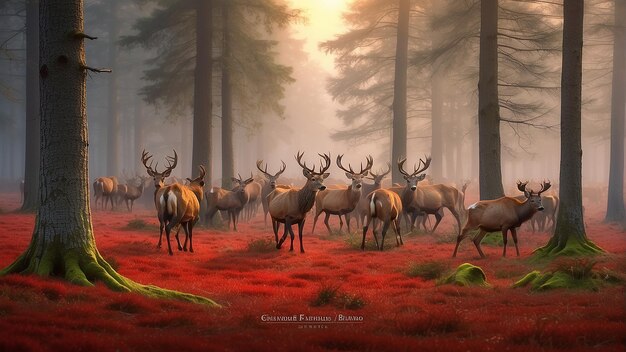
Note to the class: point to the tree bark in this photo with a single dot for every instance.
(63, 242)
(203, 103)
(569, 236)
(228, 163)
(113, 133)
(490, 169)
(615, 205)
(31, 170)
(399, 134)
(436, 148)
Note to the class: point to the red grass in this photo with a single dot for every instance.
(400, 313)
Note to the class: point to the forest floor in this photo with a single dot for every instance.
(394, 294)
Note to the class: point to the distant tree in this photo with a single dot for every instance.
(68, 248)
(113, 116)
(615, 204)
(569, 235)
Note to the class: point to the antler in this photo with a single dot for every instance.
(423, 165)
(326, 158)
(144, 159)
(544, 187)
(172, 161)
(370, 162)
(522, 185)
(323, 168)
(267, 174)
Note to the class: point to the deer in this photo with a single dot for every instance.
(233, 201)
(134, 191)
(268, 186)
(362, 207)
(290, 206)
(386, 206)
(429, 199)
(105, 188)
(253, 190)
(502, 214)
(159, 188)
(341, 201)
(180, 204)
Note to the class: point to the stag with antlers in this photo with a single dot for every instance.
(269, 185)
(502, 214)
(362, 208)
(290, 206)
(342, 201)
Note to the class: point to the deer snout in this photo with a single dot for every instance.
(413, 188)
(358, 185)
(540, 207)
(322, 187)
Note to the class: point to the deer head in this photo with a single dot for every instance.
(356, 177)
(200, 179)
(534, 198)
(271, 178)
(159, 177)
(413, 178)
(378, 178)
(315, 179)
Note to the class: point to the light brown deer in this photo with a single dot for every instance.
(546, 219)
(134, 190)
(290, 206)
(362, 207)
(180, 204)
(502, 214)
(253, 190)
(105, 188)
(233, 201)
(159, 188)
(430, 199)
(386, 206)
(268, 186)
(341, 201)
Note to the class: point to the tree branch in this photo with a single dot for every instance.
(97, 70)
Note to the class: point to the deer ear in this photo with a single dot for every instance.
(248, 181)
(306, 173)
(365, 173)
(201, 183)
(234, 179)
(167, 173)
(421, 177)
(325, 175)
(527, 194)
(349, 175)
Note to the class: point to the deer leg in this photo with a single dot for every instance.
(186, 229)
(161, 227)
(190, 224)
(300, 227)
(477, 240)
(396, 228)
(291, 235)
(282, 239)
(514, 235)
(168, 229)
(365, 227)
(347, 216)
(385, 228)
(326, 222)
(460, 238)
(504, 240)
(374, 225)
(340, 222)
(457, 217)
(438, 217)
(177, 238)
(317, 214)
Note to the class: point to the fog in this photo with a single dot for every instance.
(529, 151)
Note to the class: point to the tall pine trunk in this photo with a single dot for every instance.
(399, 134)
(228, 163)
(436, 148)
(31, 169)
(113, 133)
(569, 236)
(490, 169)
(203, 103)
(615, 205)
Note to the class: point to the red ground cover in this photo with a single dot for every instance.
(241, 272)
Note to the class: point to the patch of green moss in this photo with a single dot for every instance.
(493, 239)
(467, 275)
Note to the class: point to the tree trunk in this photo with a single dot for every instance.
(399, 135)
(203, 103)
(31, 170)
(569, 236)
(228, 163)
(113, 133)
(615, 204)
(63, 242)
(490, 173)
(139, 144)
(436, 148)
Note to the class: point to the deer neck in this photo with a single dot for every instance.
(354, 194)
(525, 211)
(197, 191)
(306, 198)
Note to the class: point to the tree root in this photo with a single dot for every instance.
(573, 247)
(83, 267)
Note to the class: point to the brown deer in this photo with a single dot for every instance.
(429, 199)
(180, 204)
(233, 201)
(502, 214)
(159, 188)
(105, 188)
(341, 201)
(134, 190)
(547, 217)
(268, 186)
(290, 206)
(386, 206)
(362, 207)
(253, 190)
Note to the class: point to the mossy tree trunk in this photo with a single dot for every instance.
(63, 242)
(31, 169)
(490, 168)
(399, 129)
(569, 236)
(615, 204)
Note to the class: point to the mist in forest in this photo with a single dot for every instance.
(316, 109)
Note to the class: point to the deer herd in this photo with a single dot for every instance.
(179, 204)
